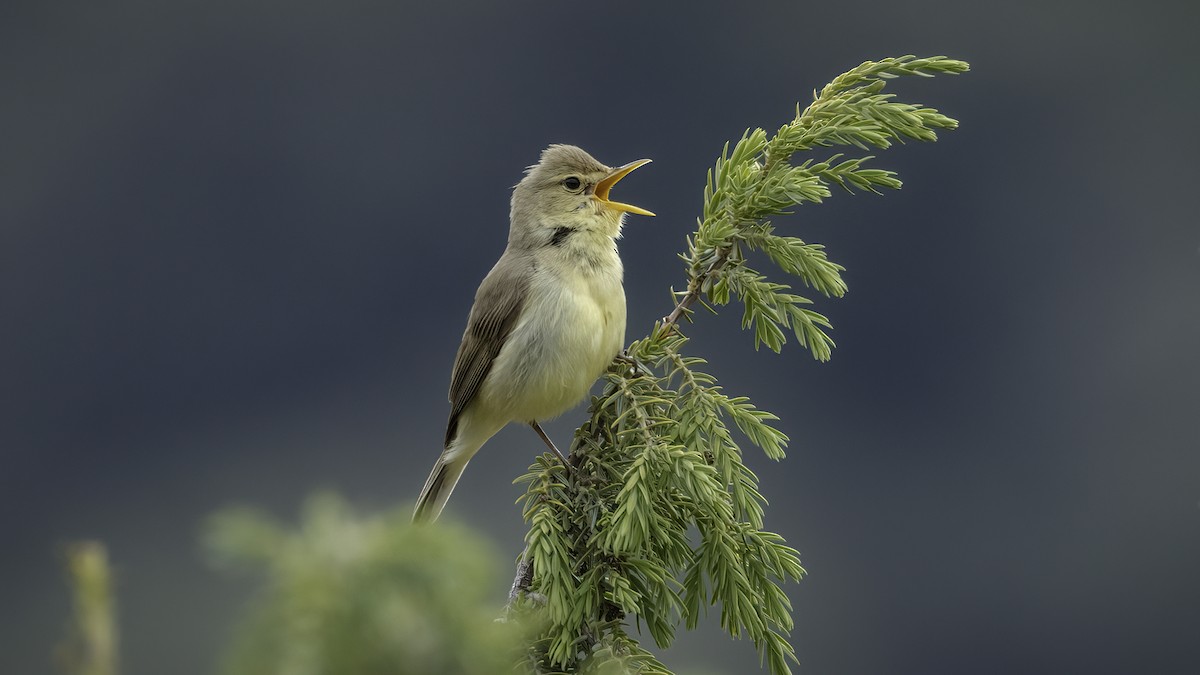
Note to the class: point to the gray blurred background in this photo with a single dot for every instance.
(238, 241)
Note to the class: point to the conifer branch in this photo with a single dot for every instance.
(660, 517)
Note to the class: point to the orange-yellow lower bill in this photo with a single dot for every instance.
(603, 187)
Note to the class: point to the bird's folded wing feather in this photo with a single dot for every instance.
(498, 304)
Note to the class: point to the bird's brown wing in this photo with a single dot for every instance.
(498, 304)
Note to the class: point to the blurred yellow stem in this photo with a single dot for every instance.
(92, 645)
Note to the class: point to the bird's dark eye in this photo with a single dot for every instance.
(572, 183)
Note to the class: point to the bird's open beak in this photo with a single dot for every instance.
(610, 180)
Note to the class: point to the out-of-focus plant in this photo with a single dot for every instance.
(363, 595)
(91, 644)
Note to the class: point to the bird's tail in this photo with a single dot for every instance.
(471, 434)
(439, 485)
(473, 430)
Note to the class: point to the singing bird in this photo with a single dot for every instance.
(548, 318)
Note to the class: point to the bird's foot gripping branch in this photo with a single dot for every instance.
(662, 518)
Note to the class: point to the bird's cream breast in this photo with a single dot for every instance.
(579, 326)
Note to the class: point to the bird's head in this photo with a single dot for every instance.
(568, 191)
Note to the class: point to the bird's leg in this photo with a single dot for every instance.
(538, 429)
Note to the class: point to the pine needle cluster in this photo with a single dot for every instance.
(658, 517)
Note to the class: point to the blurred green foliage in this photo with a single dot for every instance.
(342, 593)
(350, 594)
